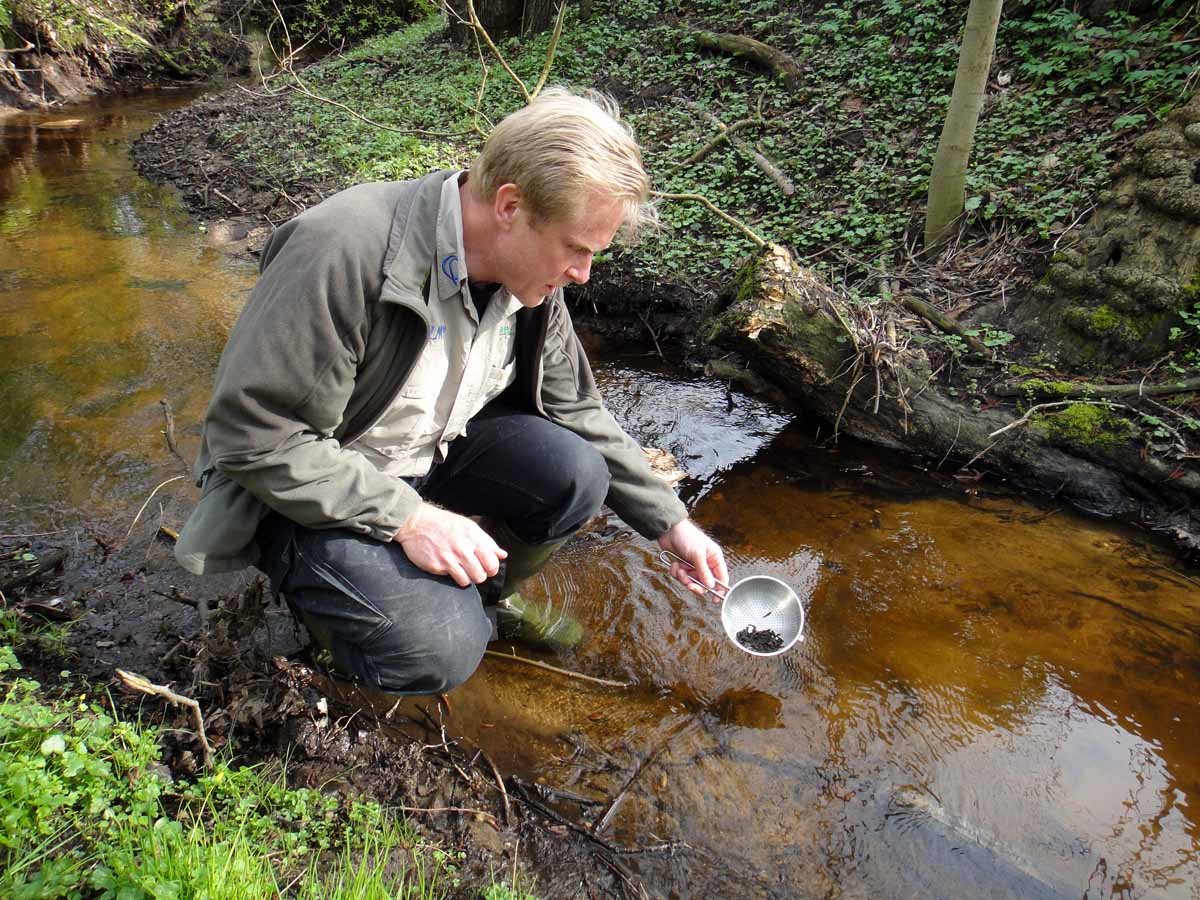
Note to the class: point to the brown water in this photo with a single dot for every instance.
(994, 698)
(110, 300)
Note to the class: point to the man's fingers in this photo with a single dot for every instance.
(474, 570)
(489, 560)
(700, 567)
(456, 572)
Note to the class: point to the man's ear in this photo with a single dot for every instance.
(504, 207)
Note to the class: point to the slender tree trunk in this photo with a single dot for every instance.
(504, 18)
(958, 133)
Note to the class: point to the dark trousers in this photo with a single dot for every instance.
(397, 627)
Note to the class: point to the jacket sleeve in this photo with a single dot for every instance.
(289, 368)
(570, 398)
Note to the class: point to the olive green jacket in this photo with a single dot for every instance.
(327, 339)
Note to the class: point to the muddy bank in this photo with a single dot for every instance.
(96, 599)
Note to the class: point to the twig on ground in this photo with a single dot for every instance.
(137, 682)
(944, 322)
(177, 597)
(653, 333)
(230, 201)
(765, 165)
(697, 198)
(147, 503)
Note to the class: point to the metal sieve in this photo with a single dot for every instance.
(758, 602)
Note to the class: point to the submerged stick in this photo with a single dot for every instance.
(541, 665)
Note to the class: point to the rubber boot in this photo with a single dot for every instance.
(538, 625)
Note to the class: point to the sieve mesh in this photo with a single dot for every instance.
(763, 602)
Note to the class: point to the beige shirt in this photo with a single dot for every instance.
(466, 361)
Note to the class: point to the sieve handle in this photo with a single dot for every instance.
(666, 556)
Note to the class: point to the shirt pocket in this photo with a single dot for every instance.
(499, 378)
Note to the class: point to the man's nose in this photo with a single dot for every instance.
(581, 272)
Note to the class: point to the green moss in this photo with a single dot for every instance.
(1104, 319)
(1190, 292)
(1042, 388)
(1084, 425)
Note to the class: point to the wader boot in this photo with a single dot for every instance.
(537, 625)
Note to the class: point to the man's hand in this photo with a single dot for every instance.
(440, 542)
(707, 562)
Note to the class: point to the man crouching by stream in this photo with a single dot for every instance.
(405, 362)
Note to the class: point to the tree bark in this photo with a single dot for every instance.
(949, 174)
(503, 18)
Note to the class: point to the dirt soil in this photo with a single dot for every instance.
(228, 644)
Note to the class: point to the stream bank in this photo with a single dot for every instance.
(879, 372)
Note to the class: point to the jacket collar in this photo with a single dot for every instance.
(411, 246)
(451, 272)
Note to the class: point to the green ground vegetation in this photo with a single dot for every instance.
(856, 136)
(148, 34)
(88, 810)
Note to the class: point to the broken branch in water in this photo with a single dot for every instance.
(169, 418)
(541, 665)
(139, 683)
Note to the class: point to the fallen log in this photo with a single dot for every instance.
(757, 52)
(1072, 390)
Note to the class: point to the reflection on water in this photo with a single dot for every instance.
(109, 303)
(994, 698)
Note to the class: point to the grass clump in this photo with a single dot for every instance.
(87, 810)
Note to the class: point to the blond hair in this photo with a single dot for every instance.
(562, 149)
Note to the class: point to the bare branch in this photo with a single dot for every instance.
(558, 26)
(697, 198)
(487, 39)
(541, 665)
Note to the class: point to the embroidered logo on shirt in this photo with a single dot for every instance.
(450, 267)
(507, 330)
(437, 332)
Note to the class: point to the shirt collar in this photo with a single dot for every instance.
(451, 257)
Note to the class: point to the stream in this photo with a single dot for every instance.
(994, 696)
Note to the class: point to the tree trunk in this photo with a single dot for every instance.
(503, 18)
(949, 173)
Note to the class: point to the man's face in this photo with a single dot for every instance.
(540, 256)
